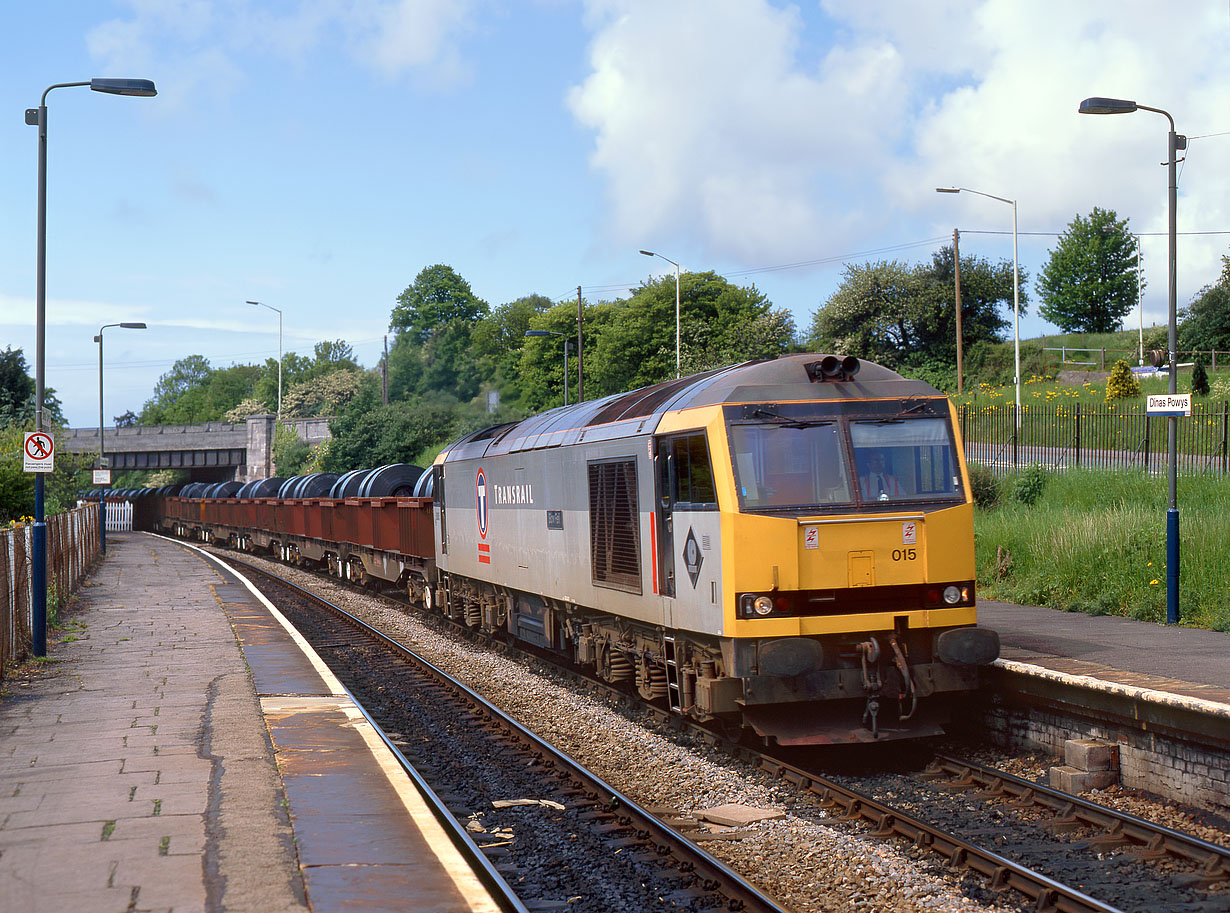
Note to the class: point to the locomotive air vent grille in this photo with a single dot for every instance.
(614, 532)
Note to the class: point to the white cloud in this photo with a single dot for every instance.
(199, 47)
(757, 134)
(708, 121)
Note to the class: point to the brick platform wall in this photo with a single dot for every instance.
(1166, 766)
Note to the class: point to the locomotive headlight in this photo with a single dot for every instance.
(763, 605)
(952, 594)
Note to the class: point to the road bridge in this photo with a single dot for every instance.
(210, 451)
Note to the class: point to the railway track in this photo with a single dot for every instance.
(1109, 842)
(558, 834)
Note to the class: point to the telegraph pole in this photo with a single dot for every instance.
(956, 259)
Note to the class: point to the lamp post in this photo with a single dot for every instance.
(1140, 304)
(272, 308)
(565, 336)
(1174, 143)
(1016, 292)
(649, 253)
(102, 500)
(37, 117)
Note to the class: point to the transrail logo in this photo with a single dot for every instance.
(480, 502)
(513, 494)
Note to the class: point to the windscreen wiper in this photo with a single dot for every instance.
(791, 422)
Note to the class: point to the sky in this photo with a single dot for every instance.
(315, 155)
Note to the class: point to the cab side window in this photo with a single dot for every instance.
(693, 473)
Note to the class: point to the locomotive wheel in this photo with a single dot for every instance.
(429, 598)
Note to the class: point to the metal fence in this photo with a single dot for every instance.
(1110, 437)
(72, 542)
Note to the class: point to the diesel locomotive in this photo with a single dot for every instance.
(784, 546)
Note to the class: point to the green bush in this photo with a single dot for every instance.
(1122, 384)
(1200, 379)
(984, 485)
(1029, 485)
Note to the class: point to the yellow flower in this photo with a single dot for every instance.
(1152, 583)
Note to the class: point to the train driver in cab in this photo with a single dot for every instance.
(878, 483)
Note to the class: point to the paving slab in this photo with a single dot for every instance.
(119, 794)
(1187, 662)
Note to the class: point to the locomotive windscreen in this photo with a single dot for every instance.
(801, 456)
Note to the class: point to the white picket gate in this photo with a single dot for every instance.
(119, 516)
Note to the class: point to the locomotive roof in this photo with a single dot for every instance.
(784, 379)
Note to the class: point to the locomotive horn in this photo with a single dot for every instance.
(832, 368)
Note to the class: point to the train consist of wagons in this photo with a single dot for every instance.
(785, 546)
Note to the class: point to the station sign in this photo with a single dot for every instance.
(1169, 404)
(39, 452)
(102, 476)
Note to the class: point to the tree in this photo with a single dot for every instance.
(295, 368)
(497, 340)
(16, 485)
(433, 319)
(332, 355)
(1089, 283)
(325, 395)
(868, 316)
(1205, 323)
(127, 420)
(900, 315)
(192, 391)
(437, 296)
(986, 302)
(637, 346)
(369, 434)
(764, 336)
(17, 393)
(16, 389)
(1200, 378)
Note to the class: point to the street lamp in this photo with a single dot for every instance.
(102, 500)
(272, 308)
(649, 253)
(1016, 293)
(37, 117)
(565, 336)
(1174, 143)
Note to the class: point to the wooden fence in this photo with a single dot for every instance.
(1111, 437)
(72, 543)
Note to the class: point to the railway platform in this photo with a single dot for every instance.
(1160, 694)
(182, 751)
(1186, 664)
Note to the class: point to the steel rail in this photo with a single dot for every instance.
(1047, 893)
(718, 876)
(1121, 828)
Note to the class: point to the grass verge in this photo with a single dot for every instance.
(1095, 541)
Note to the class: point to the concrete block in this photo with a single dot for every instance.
(1071, 780)
(1091, 754)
